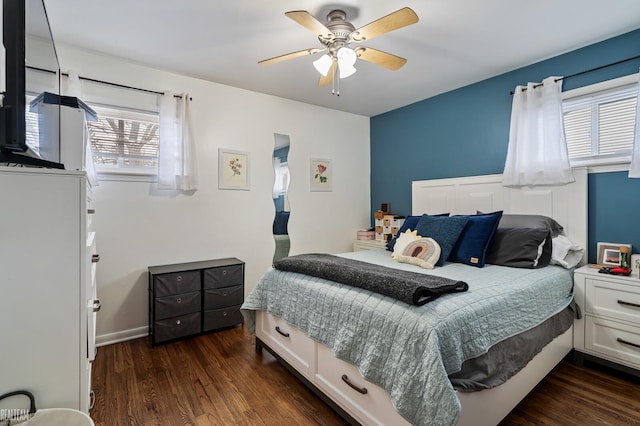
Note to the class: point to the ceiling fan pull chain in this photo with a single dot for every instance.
(333, 81)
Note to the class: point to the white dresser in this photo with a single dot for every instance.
(610, 325)
(48, 296)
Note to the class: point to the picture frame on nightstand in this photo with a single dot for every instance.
(609, 253)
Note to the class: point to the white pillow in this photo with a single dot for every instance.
(423, 252)
(565, 253)
(403, 240)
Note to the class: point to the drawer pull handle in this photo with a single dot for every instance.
(95, 258)
(224, 314)
(224, 294)
(96, 305)
(224, 272)
(91, 211)
(635, 345)
(179, 300)
(179, 278)
(635, 305)
(354, 387)
(282, 332)
(178, 322)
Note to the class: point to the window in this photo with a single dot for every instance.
(599, 121)
(124, 141)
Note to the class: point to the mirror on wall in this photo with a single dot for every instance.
(280, 199)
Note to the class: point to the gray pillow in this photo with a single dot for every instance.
(520, 248)
(530, 221)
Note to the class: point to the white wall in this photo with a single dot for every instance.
(138, 225)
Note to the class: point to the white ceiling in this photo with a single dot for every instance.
(455, 43)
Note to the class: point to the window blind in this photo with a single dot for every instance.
(600, 125)
(122, 139)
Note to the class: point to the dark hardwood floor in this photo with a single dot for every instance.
(219, 379)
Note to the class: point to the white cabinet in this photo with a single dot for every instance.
(48, 301)
(610, 326)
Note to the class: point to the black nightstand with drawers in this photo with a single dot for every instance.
(186, 299)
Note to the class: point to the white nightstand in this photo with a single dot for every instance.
(360, 245)
(610, 325)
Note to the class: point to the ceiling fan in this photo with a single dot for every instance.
(338, 34)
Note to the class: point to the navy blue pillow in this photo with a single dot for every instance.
(410, 222)
(475, 239)
(445, 230)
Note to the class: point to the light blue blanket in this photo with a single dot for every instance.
(409, 350)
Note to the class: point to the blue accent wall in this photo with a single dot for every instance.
(465, 132)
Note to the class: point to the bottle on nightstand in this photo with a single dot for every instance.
(624, 268)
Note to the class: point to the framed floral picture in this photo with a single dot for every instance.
(321, 174)
(233, 169)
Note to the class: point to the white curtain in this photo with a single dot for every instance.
(74, 88)
(177, 157)
(537, 153)
(634, 169)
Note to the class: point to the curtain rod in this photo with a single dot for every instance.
(105, 82)
(588, 71)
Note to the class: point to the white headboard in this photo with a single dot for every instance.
(567, 204)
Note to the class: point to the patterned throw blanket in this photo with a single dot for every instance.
(409, 287)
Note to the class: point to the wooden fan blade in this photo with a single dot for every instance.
(307, 20)
(290, 56)
(393, 21)
(328, 79)
(381, 58)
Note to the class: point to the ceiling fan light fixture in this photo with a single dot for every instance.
(346, 59)
(337, 34)
(346, 71)
(323, 64)
(346, 56)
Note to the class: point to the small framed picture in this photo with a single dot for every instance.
(233, 169)
(385, 208)
(609, 253)
(320, 174)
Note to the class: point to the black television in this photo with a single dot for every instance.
(31, 69)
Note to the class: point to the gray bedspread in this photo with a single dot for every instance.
(408, 286)
(410, 350)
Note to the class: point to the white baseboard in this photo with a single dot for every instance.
(121, 336)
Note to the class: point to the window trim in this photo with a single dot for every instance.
(618, 164)
(126, 176)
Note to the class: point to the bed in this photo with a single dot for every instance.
(380, 361)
